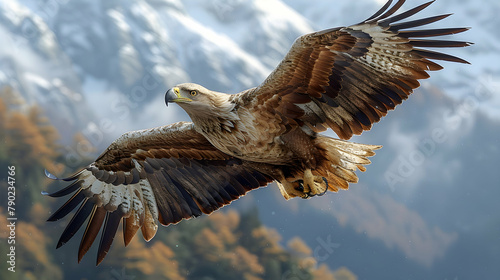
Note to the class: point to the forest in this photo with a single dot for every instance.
(224, 245)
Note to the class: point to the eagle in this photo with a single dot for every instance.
(344, 79)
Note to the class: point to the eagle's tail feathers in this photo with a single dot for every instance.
(342, 160)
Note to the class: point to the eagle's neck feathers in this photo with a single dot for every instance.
(218, 114)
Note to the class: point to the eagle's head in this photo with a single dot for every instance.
(195, 99)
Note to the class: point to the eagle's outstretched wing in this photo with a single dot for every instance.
(162, 174)
(348, 78)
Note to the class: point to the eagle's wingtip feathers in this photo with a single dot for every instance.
(50, 175)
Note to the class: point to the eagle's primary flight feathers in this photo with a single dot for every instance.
(343, 78)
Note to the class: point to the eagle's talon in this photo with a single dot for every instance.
(314, 185)
(326, 189)
(300, 188)
(306, 195)
(290, 189)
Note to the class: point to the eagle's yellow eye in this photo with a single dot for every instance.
(193, 93)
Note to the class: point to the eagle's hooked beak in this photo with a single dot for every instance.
(174, 95)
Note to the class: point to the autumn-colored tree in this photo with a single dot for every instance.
(32, 246)
(48, 133)
(299, 249)
(24, 140)
(344, 274)
(323, 273)
(219, 254)
(33, 260)
(38, 214)
(29, 143)
(155, 261)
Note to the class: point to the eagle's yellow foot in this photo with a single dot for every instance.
(307, 188)
(314, 185)
(292, 189)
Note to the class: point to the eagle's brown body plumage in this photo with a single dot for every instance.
(343, 78)
(293, 154)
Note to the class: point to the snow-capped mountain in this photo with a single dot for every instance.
(118, 57)
(33, 63)
(102, 67)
